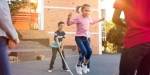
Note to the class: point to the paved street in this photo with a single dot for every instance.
(100, 65)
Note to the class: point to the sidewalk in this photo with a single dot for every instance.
(100, 65)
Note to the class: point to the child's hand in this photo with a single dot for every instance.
(102, 19)
(69, 15)
(68, 20)
(61, 49)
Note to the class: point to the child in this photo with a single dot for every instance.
(82, 21)
(60, 35)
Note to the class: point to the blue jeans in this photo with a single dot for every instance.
(88, 65)
(84, 46)
(4, 61)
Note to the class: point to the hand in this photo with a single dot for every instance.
(61, 49)
(102, 19)
(17, 41)
(11, 44)
(69, 15)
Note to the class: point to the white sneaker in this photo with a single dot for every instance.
(88, 69)
(79, 70)
(50, 71)
(84, 67)
(67, 70)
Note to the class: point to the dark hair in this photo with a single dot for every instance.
(81, 7)
(61, 22)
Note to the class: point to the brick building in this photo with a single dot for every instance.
(52, 11)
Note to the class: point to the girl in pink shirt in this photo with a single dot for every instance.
(82, 22)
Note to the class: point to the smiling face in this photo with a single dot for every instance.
(86, 10)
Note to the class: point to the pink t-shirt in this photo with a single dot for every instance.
(83, 24)
(137, 16)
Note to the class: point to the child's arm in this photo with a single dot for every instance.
(97, 21)
(69, 19)
(117, 20)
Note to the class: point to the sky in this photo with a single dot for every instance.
(108, 6)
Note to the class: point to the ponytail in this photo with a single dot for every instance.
(78, 9)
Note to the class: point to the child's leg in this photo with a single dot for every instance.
(80, 44)
(88, 50)
(80, 53)
(54, 54)
(88, 65)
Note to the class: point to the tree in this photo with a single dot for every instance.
(15, 6)
(114, 37)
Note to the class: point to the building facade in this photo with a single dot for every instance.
(50, 12)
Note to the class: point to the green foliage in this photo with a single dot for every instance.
(33, 6)
(114, 37)
(15, 6)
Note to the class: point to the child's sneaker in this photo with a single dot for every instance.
(50, 70)
(88, 69)
(65, 69)
(84, 67)
(79, 70)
